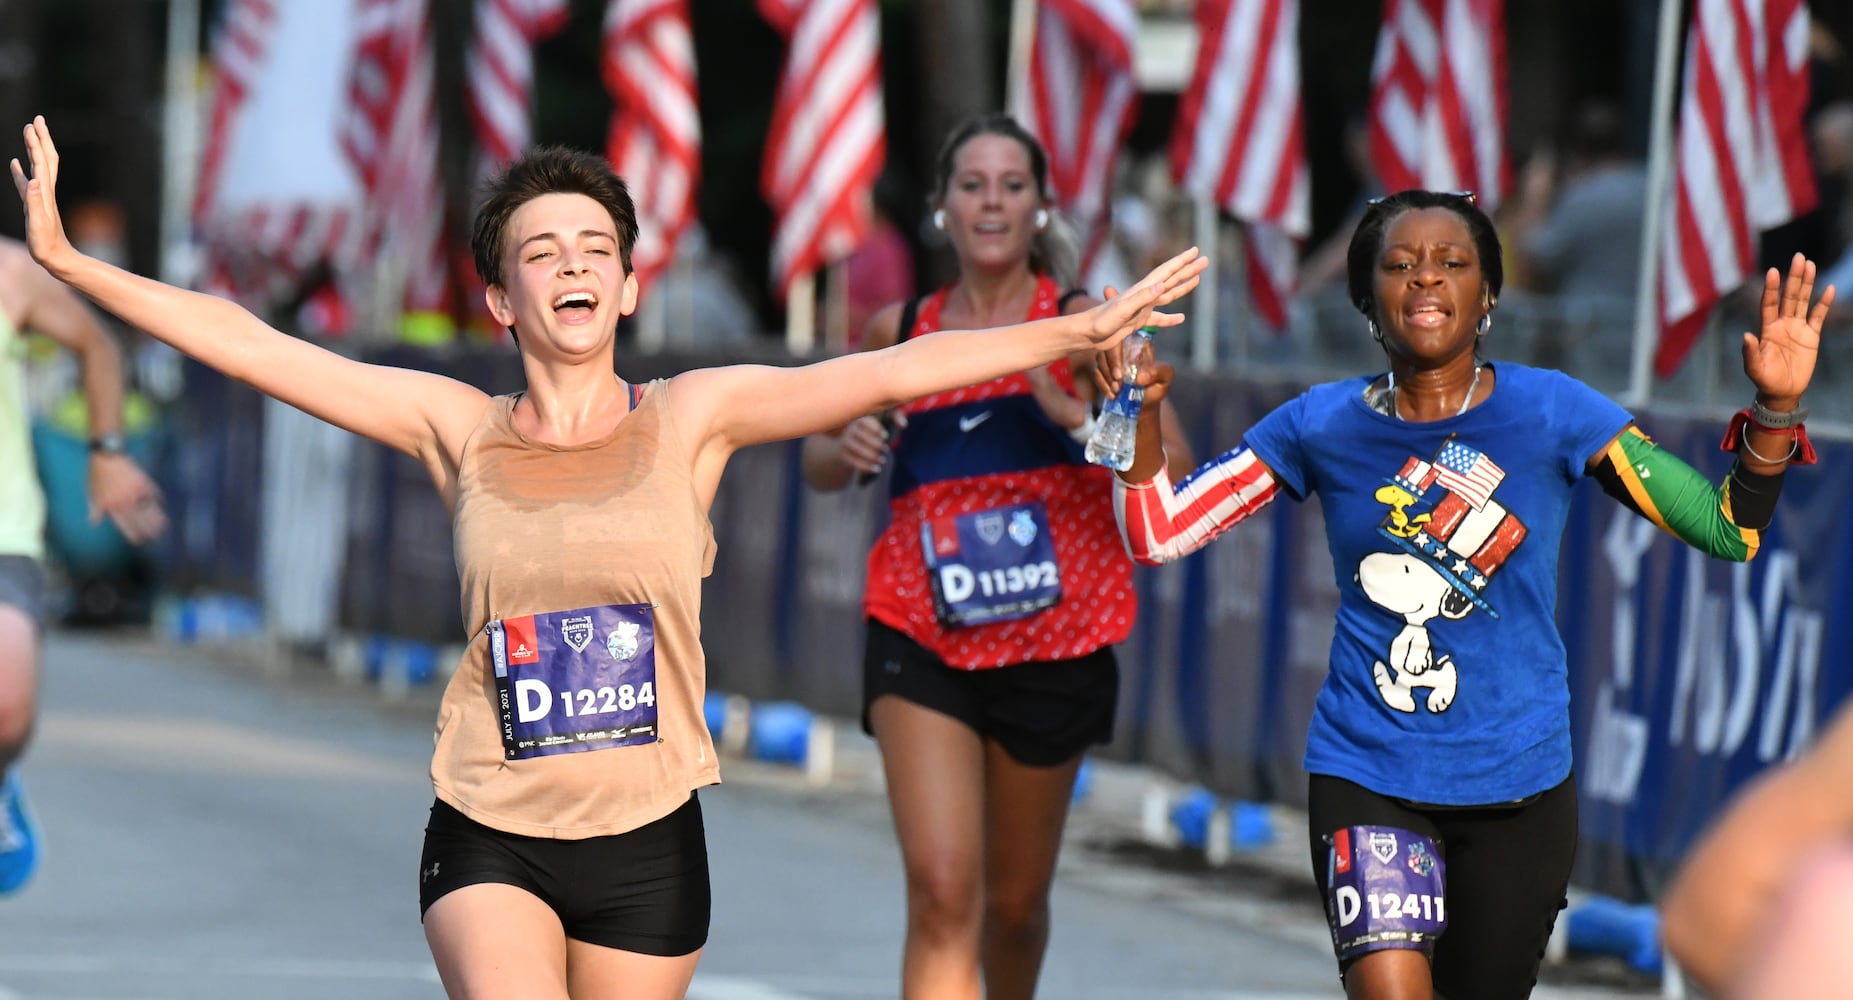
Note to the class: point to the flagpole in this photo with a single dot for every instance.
(1022, 44)
(1203, 301)
(1659, 172)
(179, 149)
(801, 313)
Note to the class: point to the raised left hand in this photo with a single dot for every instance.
(1779, 360)
(37, 184)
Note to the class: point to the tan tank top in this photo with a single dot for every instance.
(541, 528)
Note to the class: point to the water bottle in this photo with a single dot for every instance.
(1116, 434)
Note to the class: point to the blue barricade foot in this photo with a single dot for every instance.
(780, 732)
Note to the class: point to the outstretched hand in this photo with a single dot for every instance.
(1123, 312)
(1110, 374)
(1780, 359)
(37, 187)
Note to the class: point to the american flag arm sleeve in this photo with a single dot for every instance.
(1160, 522)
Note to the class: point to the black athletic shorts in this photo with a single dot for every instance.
(644, 891)
(1507, 870)
(1043, 713)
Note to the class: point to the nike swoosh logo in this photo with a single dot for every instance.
(967, 423)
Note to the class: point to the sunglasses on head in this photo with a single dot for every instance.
(1467, 196)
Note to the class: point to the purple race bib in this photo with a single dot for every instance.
(1388, 891)
(991, 565)
(570, 681)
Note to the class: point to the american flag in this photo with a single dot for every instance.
(1742, 157)
(259, 245)
(501, 73)
(829, 134)
(1238, 138)
(238, 49)
(655, 137)
(390, 135)
(1438, 98)
(1471, 475)
(1080, 100)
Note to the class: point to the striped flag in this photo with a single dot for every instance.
(655, 137)
(1468, 472)
(501, 73)
(828, 136)
(271, 222)
(390, 136)
(1080, 99)
(238, 50)
(1238, 140)
(1742, 157)
(1438, 98)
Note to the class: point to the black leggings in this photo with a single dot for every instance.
(1508, 867)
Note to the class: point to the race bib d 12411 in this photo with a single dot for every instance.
(571, 681)
(991, 565)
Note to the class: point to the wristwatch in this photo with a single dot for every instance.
(1770, 420)
(107, 444)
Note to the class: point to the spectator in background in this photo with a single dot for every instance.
(879, 272)
(1326, 263)
(1832, 134)
(1580, 234)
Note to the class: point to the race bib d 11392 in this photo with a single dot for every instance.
(991, 565)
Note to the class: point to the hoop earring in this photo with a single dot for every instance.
(939, 219)
(1042, 219)
(1486, 323)
(1375, 334)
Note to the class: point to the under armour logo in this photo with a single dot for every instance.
(430, 873)
(892, 667)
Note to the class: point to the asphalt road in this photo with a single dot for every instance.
(218, 829)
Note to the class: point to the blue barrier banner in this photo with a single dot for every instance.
(1688, 675)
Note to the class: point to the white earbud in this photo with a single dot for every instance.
(1042, 219)
(939, 219)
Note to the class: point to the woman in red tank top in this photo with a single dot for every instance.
(997, 591)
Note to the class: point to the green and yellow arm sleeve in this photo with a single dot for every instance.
(1724, 520)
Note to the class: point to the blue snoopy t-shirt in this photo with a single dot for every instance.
(1448, 681)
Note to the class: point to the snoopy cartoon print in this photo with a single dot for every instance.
(1451, 537)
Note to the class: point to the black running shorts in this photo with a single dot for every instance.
(645, 891)
(1043, 713)
(1507, 870)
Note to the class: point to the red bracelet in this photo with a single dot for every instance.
(1801, 452)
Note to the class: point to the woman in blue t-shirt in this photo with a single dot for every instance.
(1440, 795)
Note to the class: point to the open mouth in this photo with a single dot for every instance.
(575, 305)
(1426, 314)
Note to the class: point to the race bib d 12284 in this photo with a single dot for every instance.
(570, 681)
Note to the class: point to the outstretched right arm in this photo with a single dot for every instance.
(1160, 522)
(422, 414)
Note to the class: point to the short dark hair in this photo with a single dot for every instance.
(1367, 240)
(1050, 253)
(541, 171)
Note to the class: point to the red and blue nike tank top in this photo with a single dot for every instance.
(991, 447)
